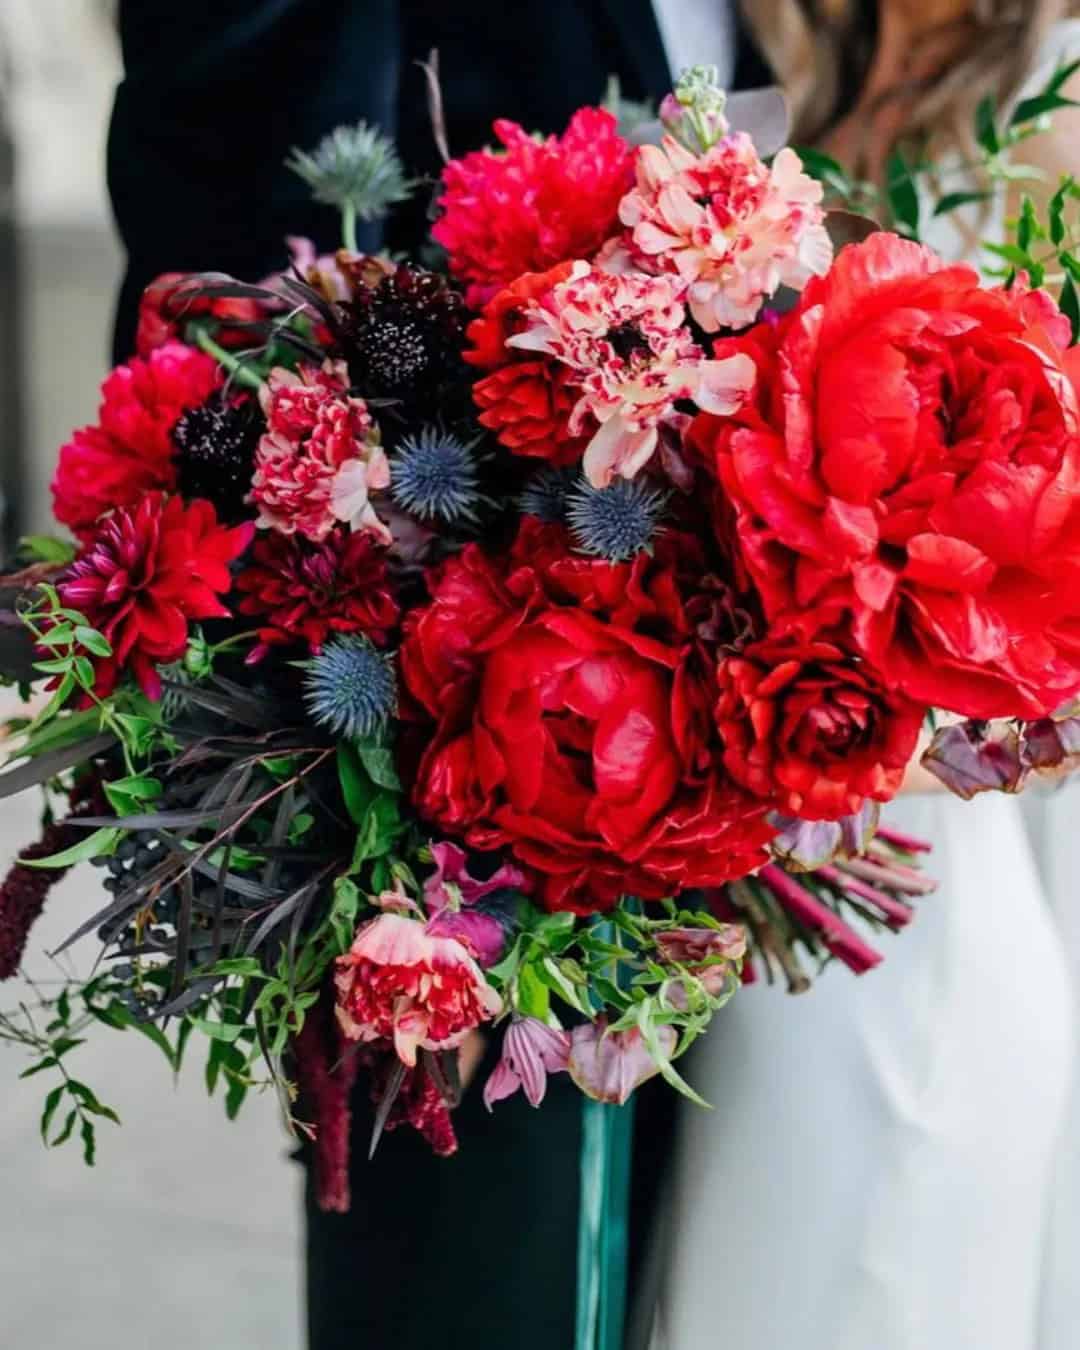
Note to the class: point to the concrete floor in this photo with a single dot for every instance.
(184, 1236)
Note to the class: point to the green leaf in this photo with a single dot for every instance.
(1012, 253)
(49, 1062)
(985, 125)
(1071, 264)
(129, 796)
(86, 1130)
(52, 1101)
(90, 1102)
(656, 1050)
(533, 995)
(356, 785)
(1055, 211)
(378, 760)
(95, 844)
(953, 201)
(226, 1032)
(1031, 108)
(84, 671)
(65, 1132)
(154, 1033)
(96, 643)
(44, 548)
(1070, 306)
(903, 198)
(1028, 228)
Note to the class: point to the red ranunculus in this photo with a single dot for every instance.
(574, 726)
(171, 300)
(146, 574)
(130, 452)
(527, 398)
(810, 729)
(533, 203)
(911, 465)
(304, 592)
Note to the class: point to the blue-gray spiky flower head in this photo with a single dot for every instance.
(617, 521)
(434, 476)
(546, 495)
(355, 167)
(350, 687)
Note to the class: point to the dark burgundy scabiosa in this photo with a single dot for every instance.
(145, 575)
(304, 592)
(403, 336)
(215, 455)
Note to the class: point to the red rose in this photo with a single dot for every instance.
(911, 466)
(811, 730)
(171, 299)
(526, 400)
(533, 203)
(573, 722)
(131, 451)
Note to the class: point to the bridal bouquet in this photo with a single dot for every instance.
(524, 642)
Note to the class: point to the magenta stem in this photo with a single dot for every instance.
(839, 937)
(895, 912)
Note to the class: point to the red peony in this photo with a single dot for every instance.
(130, 452)
(304, 592)
(811, 730)
(534, 203)
(910, 465)
(146, 574)
(171, 300)
(528, 398)
(573, 715)
(399, 983)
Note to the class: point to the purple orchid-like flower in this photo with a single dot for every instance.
(609, 1065)
(531, 1050)
(804, 845)
(450, 894)
(973, 757)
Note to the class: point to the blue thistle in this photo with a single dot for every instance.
(434, 476)
(547, 493)
(614, 522)
(356, 169)
(350, 687)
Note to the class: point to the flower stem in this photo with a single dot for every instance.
(232, 363)
(348, 226)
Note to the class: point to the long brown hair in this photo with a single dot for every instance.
(822, 51)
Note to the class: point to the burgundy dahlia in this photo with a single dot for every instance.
(304, 592)
(145, 575)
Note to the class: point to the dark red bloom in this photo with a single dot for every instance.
(130, 452)
(305, 591)
(573, 721)
(533, 203)
(809, 727)
(171, 300)
(418, 1103)
(526, 400)
(325, 1072)
(910, 467)
(146, 574)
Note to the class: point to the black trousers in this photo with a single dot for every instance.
(474, 1252)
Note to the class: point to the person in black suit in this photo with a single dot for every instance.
(478, 1251)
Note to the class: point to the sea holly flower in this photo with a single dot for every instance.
(616, 521)
(531, 1050)
(609, 1065)
(350, 686)
(623, 340)
(400, 983)
(320, 458)
(730, 227)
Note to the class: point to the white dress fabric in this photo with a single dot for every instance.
(893, 1161)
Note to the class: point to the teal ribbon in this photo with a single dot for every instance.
(603, 1225)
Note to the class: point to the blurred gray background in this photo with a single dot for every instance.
(185, 1235)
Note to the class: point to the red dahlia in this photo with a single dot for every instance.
(130, 452)
(304, 591)
(573, 721)
(146, 574)
(526, 400)
(533, 203)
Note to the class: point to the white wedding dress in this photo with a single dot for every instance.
(893, 1161)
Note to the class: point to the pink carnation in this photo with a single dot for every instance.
(532, 204)
(399, 983)
(320, 456)
(623, 339)
(730, 226)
